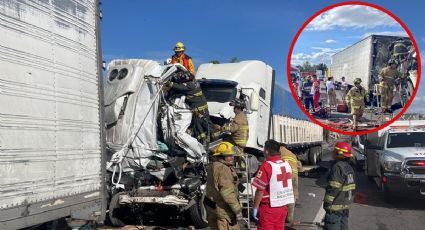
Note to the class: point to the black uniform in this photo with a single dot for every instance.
(339, 195)
(197, 102)
(306, 93)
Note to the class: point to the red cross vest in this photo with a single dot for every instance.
(281, 191)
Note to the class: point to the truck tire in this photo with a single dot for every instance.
(114, 211)
(198, 214)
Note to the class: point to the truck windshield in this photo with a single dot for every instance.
(219, 94)
(409, 139)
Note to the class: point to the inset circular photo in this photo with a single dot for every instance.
(353, 68)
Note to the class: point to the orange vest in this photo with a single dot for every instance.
(183, 60)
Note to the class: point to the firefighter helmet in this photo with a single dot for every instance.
(343, 150)
(357, 81)
(179, 47)
(224, 149)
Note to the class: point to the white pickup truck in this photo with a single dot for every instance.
(395, 158)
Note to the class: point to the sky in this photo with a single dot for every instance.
(221, 30)
(339, 28)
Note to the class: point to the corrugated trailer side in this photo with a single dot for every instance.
(354, 62)
(51, 134)
(301, 136)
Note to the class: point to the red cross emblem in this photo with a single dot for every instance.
(284, 177)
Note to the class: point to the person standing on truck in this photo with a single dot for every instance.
(356, 100)
(222, 196)
(316, 95)
(185, 85)
(387, 78)
(295, 164)
(274, 189)
(182, 58)
(306, 93)
(340, 188)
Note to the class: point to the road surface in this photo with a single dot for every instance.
(374, 214)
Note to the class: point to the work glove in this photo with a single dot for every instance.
(255, 214)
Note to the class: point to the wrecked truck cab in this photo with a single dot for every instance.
(152, 160)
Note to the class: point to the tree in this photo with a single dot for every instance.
(233, 60)
(214, 61)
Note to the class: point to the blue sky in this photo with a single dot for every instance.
(220, 30)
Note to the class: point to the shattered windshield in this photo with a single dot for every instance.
(409, 139)
(219, 94)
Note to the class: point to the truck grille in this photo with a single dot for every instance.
(415, 166)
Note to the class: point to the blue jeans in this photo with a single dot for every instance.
(307, 102)
(336, 220)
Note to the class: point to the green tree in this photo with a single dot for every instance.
(215, 62)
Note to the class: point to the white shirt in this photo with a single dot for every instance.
(330, 85)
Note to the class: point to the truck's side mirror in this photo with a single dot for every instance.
(254, 100)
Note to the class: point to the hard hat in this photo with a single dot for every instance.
(224, 149)
(343, 150)
(391, 61)
(400, 49)
(357, 81)
(237, 103)
(179, 47)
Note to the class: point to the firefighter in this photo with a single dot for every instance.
(239, 129)
(274, 189)
(182, 58)
(184, 84)
(387, 78)
(222, 195)
(306, 93)
(355, 98)
(295, 164)
(340, 188)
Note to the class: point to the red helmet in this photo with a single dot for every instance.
(343, 150)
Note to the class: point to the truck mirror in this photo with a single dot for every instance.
(254, 100)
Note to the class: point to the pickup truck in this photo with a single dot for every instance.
(395, 158)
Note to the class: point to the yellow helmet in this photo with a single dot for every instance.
(179, 47)
(224, 149)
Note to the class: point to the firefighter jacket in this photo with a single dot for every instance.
(340, 188)
(239, 129)
(195, 99)
(387, 77)
(222, 190)
(356, 97)
(291, 158)
(184, 60)
(306, 89)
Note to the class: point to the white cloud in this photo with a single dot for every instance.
(323, 55)
(400, 33)
(351, 17)
(329, 41)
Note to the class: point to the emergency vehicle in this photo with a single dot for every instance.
(395, 158)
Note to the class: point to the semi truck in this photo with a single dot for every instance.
(365, 59)
(395, 159)
(253, 81)
(153, 163)
(51, 131)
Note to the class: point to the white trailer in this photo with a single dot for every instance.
(51, 143)
(365, 59)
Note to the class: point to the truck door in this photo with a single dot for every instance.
(371, 152)
(263, 118)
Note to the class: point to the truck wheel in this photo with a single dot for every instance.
(386, 194)
(312, 156)
(114, 211)
(198, 214)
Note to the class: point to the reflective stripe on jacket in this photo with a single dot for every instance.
(340, 189)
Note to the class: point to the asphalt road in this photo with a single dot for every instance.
(372, 212)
